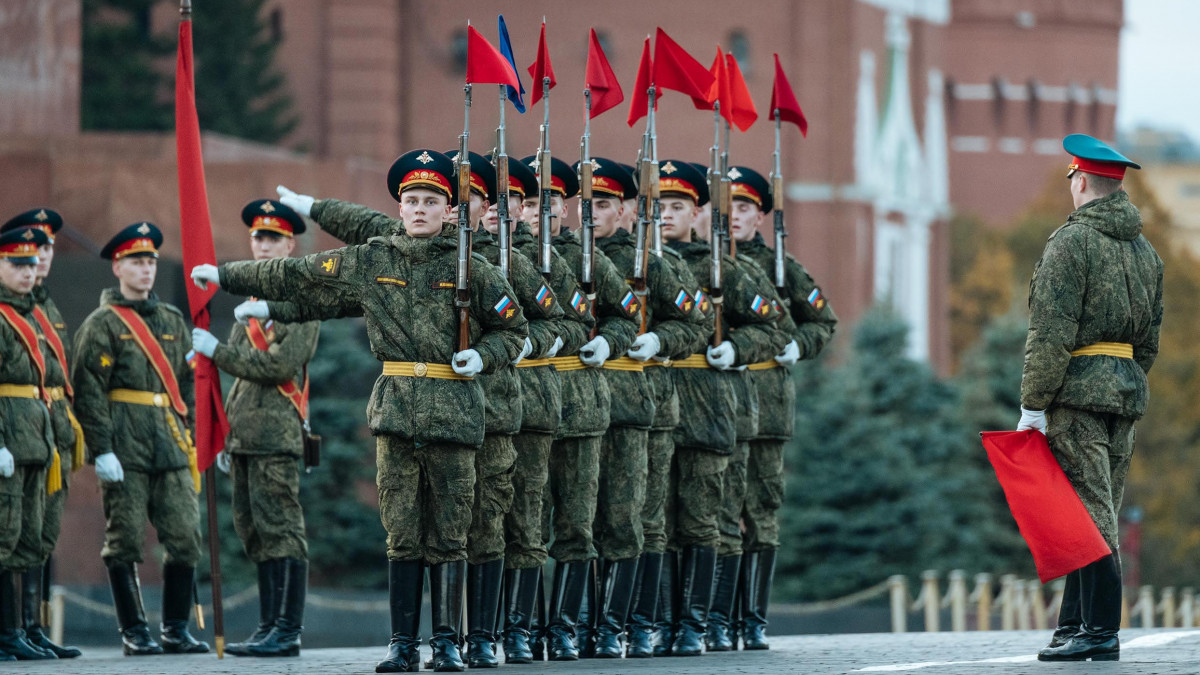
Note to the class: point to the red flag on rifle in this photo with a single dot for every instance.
(639, 104)
(717, 92)
(784, 101)
(742, 112)
(541, 69)
(485, 63)
(676, 69)
(606, 90)
(1054, 522)
(197, 242)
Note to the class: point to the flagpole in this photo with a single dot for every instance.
(780, 229)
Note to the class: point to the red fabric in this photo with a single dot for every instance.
(485, 63)
(541, 68)
(676, 69)
(606, 90)
(1107, 169)
(717, 70)
(1054, 522)
(742, 112)
(197, 242)
(645, 79)
(784, 100)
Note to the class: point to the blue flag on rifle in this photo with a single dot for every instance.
(517, 97)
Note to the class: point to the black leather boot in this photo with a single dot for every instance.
(585, 628)
(639, 632)
(178, 586)
(1101, 600)
(756, 595)
(404, 598)
(615, 593)
(483, 602)
(1070, 612)
(668, 604)
(565, 597)
(696, 584)
(521, 590)
(719, 635)
(445, 600)
(270, 592)
(284, 637)
(131, 617)
(34, 601)
(538, 646)
(12, 635)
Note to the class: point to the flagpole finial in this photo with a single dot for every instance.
(185, 9)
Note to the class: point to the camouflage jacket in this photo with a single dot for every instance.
(64, 434)
(262, 421)
(404, 287)
(25, 427)
(1099, 280)
(107, 357)
(807, 305)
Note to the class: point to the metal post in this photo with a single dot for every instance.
(929, 590)
(1008, 615)
(1146, 604)
(57, 613)
(1022, 605)
(1167, 607)
(957, 597)
(983, 596)
(898, 592)
(1187, 607)
(1037, 603)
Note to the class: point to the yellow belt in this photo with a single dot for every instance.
(534, 363)
(59, 394)
(562, 363)
(693, 361)
(1121, 350)
(438, 371)
(624, 363)
(182, 437)
(763, 365)
(140, 398)
(19, 391)
(651, 363)
(54, 475)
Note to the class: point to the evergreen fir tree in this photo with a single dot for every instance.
(123, 87)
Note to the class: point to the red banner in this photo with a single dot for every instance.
(600, 78)
(197, 242)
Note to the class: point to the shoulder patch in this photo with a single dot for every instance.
(579, 302)
(684, 301)
(631, 304)
(329, 264)
(505, 307)
(391, 280)
(443, 285)
(760, 305)
(703, 302)
(544, 298)
(105, 361)
(816, 299)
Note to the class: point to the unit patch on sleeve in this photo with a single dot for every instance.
(816, 299)
(329, 264)
(579, 302)
(506, 308)
(630, 304)
(545, 299)
(684, 301)
(392, 281)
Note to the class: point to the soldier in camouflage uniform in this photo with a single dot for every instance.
(675, 328)
(27, 445)
(268, 408)
(68, 437)
(427, 410)
(707, 435)
(1095, 310)
(134, 397)
(586, 415)
(812, 323)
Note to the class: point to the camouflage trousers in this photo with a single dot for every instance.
(494, 465)
(1094, 451)
(55, 504)
(425, 498)
(267, 514)
(660, 446)
(733, 498)
(167, 499)
(573, 486)
(764, 495)
(22, 513)
(694, 498)
(622, 494)
(525, 548)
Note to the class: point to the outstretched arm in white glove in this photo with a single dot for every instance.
(595, 353)
(301, 204)
(203, 275)
(251, 309)
(645, 347)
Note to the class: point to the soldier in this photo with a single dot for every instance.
(268, 411)
(134, 396)
(812, 322)
(29, 461)
(427, 410)
(67, 434)
(674, 328)
(587, 413)
(707, 435)
(1095, 310)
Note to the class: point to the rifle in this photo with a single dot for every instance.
(462, 287)
(726, 195)
(587, 227)
(780, 229)
(504, 219)
(544, 173)
(716, 250)
(646, 170)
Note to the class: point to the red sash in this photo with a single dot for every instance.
(298, 398)
(29, 338)
(56, 346)
(154, 353)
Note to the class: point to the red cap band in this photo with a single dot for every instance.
(1106, 169)
(271, 224)
(425, 177)
(139, 245)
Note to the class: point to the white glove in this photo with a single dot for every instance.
(790, 354)
(721, 356)
(204, 342)
(558, 344)
(7, 465)
(467, 363)
(1032, 419)
(525, 351)
(224, 461)
(595, 353)
(108, 468)
(301, 204)
(644, 347)
(251, 309)
(203, 275)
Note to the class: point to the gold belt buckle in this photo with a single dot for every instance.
(420, 369)
(158, 400)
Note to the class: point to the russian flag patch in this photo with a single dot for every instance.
(760, 305)
(579, 302)
(630, 304)
(816, 299)
(506, 308)
(684, 301)
(544, 298)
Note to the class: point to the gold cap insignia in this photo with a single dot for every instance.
(41, 215)
(267, 208)
(734, 174)
(669, 168)
(424, 157)
(144, 229)
(28, 235)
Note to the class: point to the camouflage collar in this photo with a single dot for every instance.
(112, 296)
(40, 294)
(22, 303)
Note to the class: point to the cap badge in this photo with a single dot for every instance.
(595, 164)
(267, 208)
(669, 168)
(734, 174)
(41, 216)
(424, 157)
(144, 229)
(28, 235)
